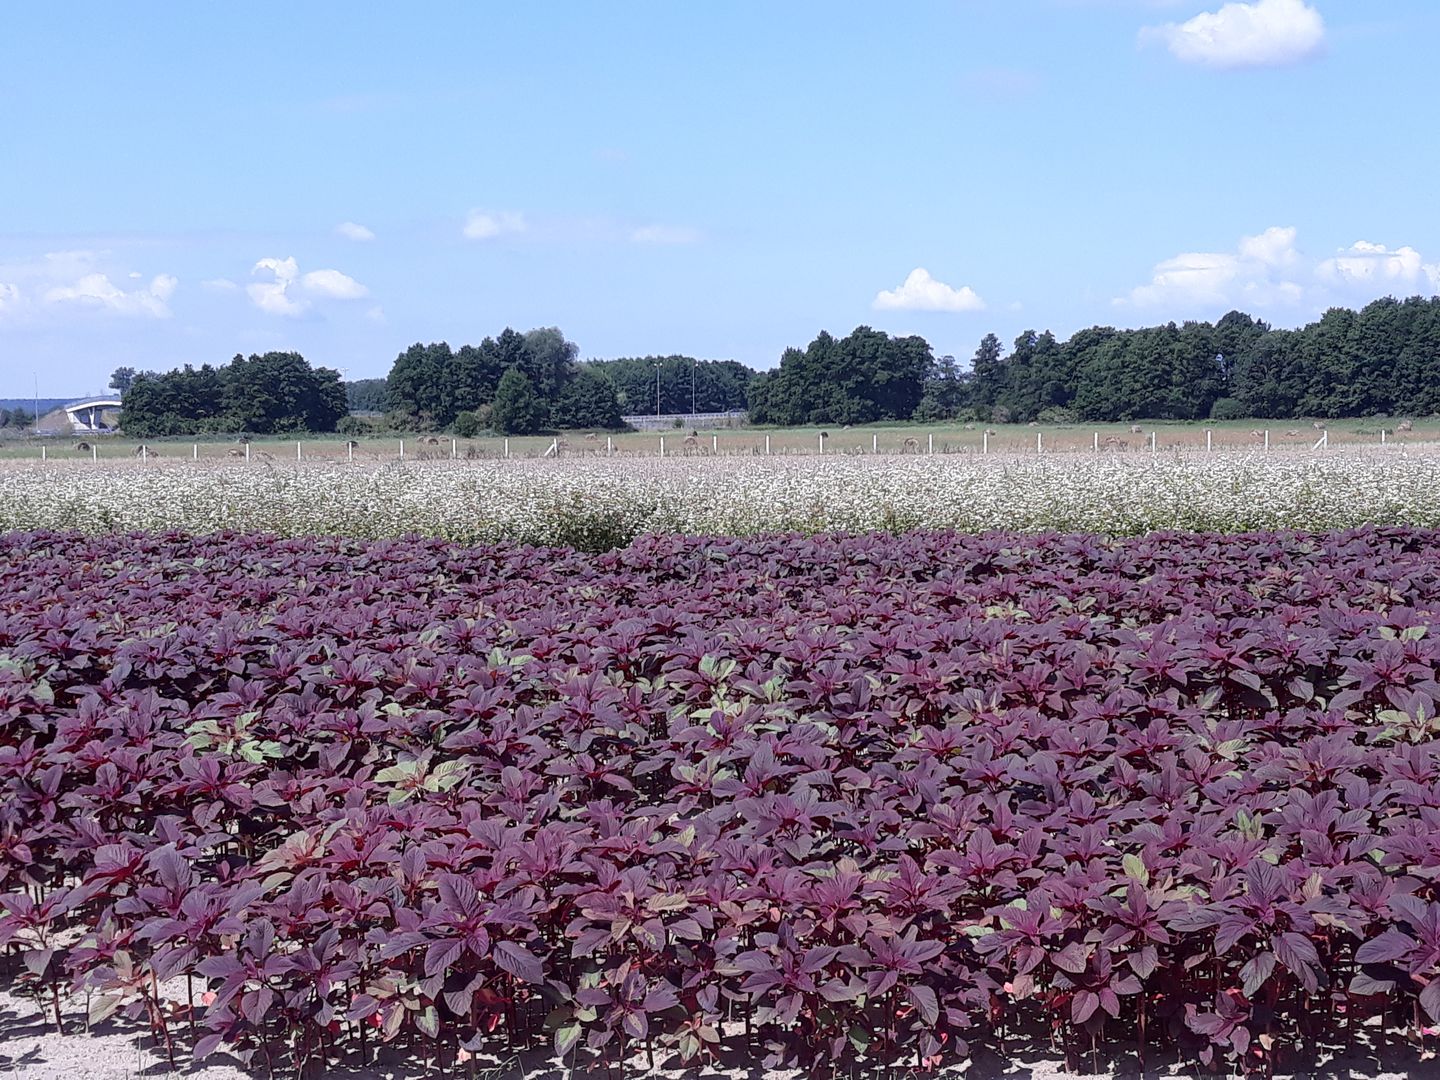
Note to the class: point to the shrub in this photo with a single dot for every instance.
(353, 426)
(1056, 414)
(1228, 408)
(467, 424)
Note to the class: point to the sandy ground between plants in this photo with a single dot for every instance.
(30, 1048)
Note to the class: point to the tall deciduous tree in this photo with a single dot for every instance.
(517, 408)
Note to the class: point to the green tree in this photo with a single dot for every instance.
(865, 376)
(517, 409)
(267, 393)
(121, 378)
(366, 395)
(421, 385)
(588, 401)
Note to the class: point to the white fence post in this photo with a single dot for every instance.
(194, 451)
(1267, 438)
(402, 449)
(350, 449)
(932, 442)
(144, 452)
(985, 445)
(1382, 436)
(454, 449)
(94, 453)
(247, 451)
(767, 445)
(715, 444)
(821, 440)
(297, 450)
(1039, 442)
(609, 445)
(1096, 442)
(507, 447)
(42, 454)
(1152, 442)
(874, 442)
(1208, 441)
(662, 446)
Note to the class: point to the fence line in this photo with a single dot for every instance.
(824, 445)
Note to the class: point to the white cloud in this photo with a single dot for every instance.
(487, 226)
(98, 291)
(1255, 272)
(288, 292)
(1268, 271)
(921, 292)
(1266, 33)
(273, 296)
(664, 234)
(72, 280)
(1364, 263)
(334, 284)
(352, 231)
(219, 285)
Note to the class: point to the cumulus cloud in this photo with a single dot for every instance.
(334, 284)
(1365, 263)
(1268, 270)
(219, 285)
(75, 280)
(98, 291)
(1265, 33)
(921, 292)
(1257, 271)
(480, 225)
(352, 231)
(664, 234)
(273, 296)
(288, 292)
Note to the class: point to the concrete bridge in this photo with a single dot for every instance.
(88, 417)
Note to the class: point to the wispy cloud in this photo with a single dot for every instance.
(1266, 33)
(80, 280)
(487, 225)
(921, 292)
(351, 231)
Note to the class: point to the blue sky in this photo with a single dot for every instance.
(182, 182)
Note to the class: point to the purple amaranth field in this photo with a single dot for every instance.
(827, 802)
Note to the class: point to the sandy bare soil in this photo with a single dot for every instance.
(121, 1050)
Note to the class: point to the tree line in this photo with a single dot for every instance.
(520, 383)
(267, 394)
(1382, 359)
(512, 383)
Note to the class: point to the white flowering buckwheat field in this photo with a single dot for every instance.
(600, 503)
